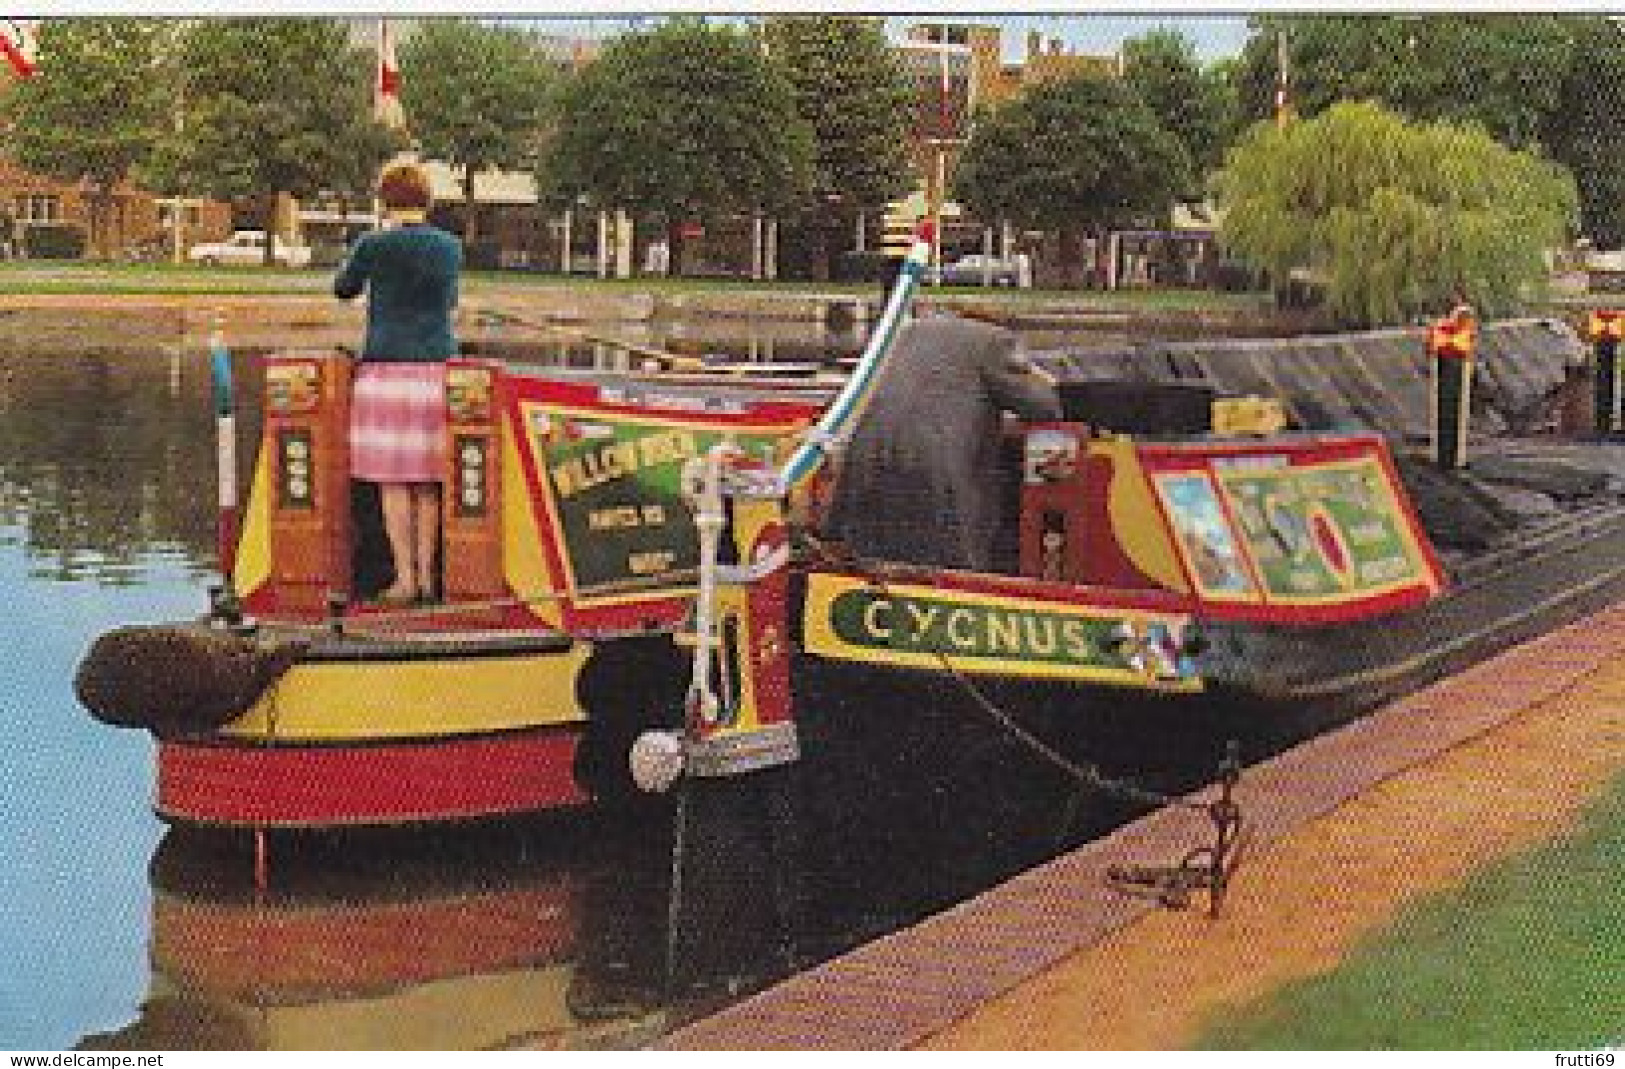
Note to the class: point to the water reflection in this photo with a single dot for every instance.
(622, 349)
(471, 939)
(103, 458)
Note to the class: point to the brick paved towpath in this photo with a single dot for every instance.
(1347, 829)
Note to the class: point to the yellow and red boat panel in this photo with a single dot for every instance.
(1300, 530)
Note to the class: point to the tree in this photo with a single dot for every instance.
(477, 96)
(1503, 72)
(1586, 131)
(272, 106)
(685, 121)
(1161, 67)
(1394, 218)
(1552, 81)
(94, 111)
(1083, 154)
(847, 85)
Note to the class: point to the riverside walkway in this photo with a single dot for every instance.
(1346, 830)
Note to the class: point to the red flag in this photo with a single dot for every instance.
(387, 97)
(19, 48)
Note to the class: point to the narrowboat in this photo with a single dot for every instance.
(634, 589)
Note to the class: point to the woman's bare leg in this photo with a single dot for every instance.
(426, 514)
(399, 520)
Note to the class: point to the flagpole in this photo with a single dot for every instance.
(1282, 78)
(386, 97)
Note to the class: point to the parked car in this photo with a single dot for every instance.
(248, 247)
(978, 270)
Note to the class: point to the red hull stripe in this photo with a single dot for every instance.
(318, 786)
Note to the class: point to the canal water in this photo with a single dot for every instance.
(119, 933)
(102, 521)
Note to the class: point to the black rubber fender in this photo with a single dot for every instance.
(178, 680)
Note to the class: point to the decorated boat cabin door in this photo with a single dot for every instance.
(1086, 514)
(471, 518)
(1052, 501)
(295, 549)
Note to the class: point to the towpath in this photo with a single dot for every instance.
(1347, 829)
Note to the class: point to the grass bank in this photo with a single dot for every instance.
(1526, 955)
(50, 277)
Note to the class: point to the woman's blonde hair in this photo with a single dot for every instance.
(405, 185)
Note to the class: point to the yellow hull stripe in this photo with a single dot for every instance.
(337, 701)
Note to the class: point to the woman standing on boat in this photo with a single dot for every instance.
(398, 406)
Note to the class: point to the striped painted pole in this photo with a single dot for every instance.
(1606, 328)
(839, 418)
(1450, 343)
(225, 421)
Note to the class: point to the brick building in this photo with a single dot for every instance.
(139, 222)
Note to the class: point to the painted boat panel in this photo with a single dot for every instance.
(603, 468)
(1293, 530)
(361, 701)
(992, 633)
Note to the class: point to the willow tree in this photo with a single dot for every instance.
(1394, 218)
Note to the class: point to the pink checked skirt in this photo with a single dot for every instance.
(398, 422)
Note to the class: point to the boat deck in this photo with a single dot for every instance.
(1343, 830)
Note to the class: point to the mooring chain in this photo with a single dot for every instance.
(1087, 773)
(1206, 868)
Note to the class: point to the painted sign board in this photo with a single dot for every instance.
(605, 468)
(1306, 529)
(994, 632)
